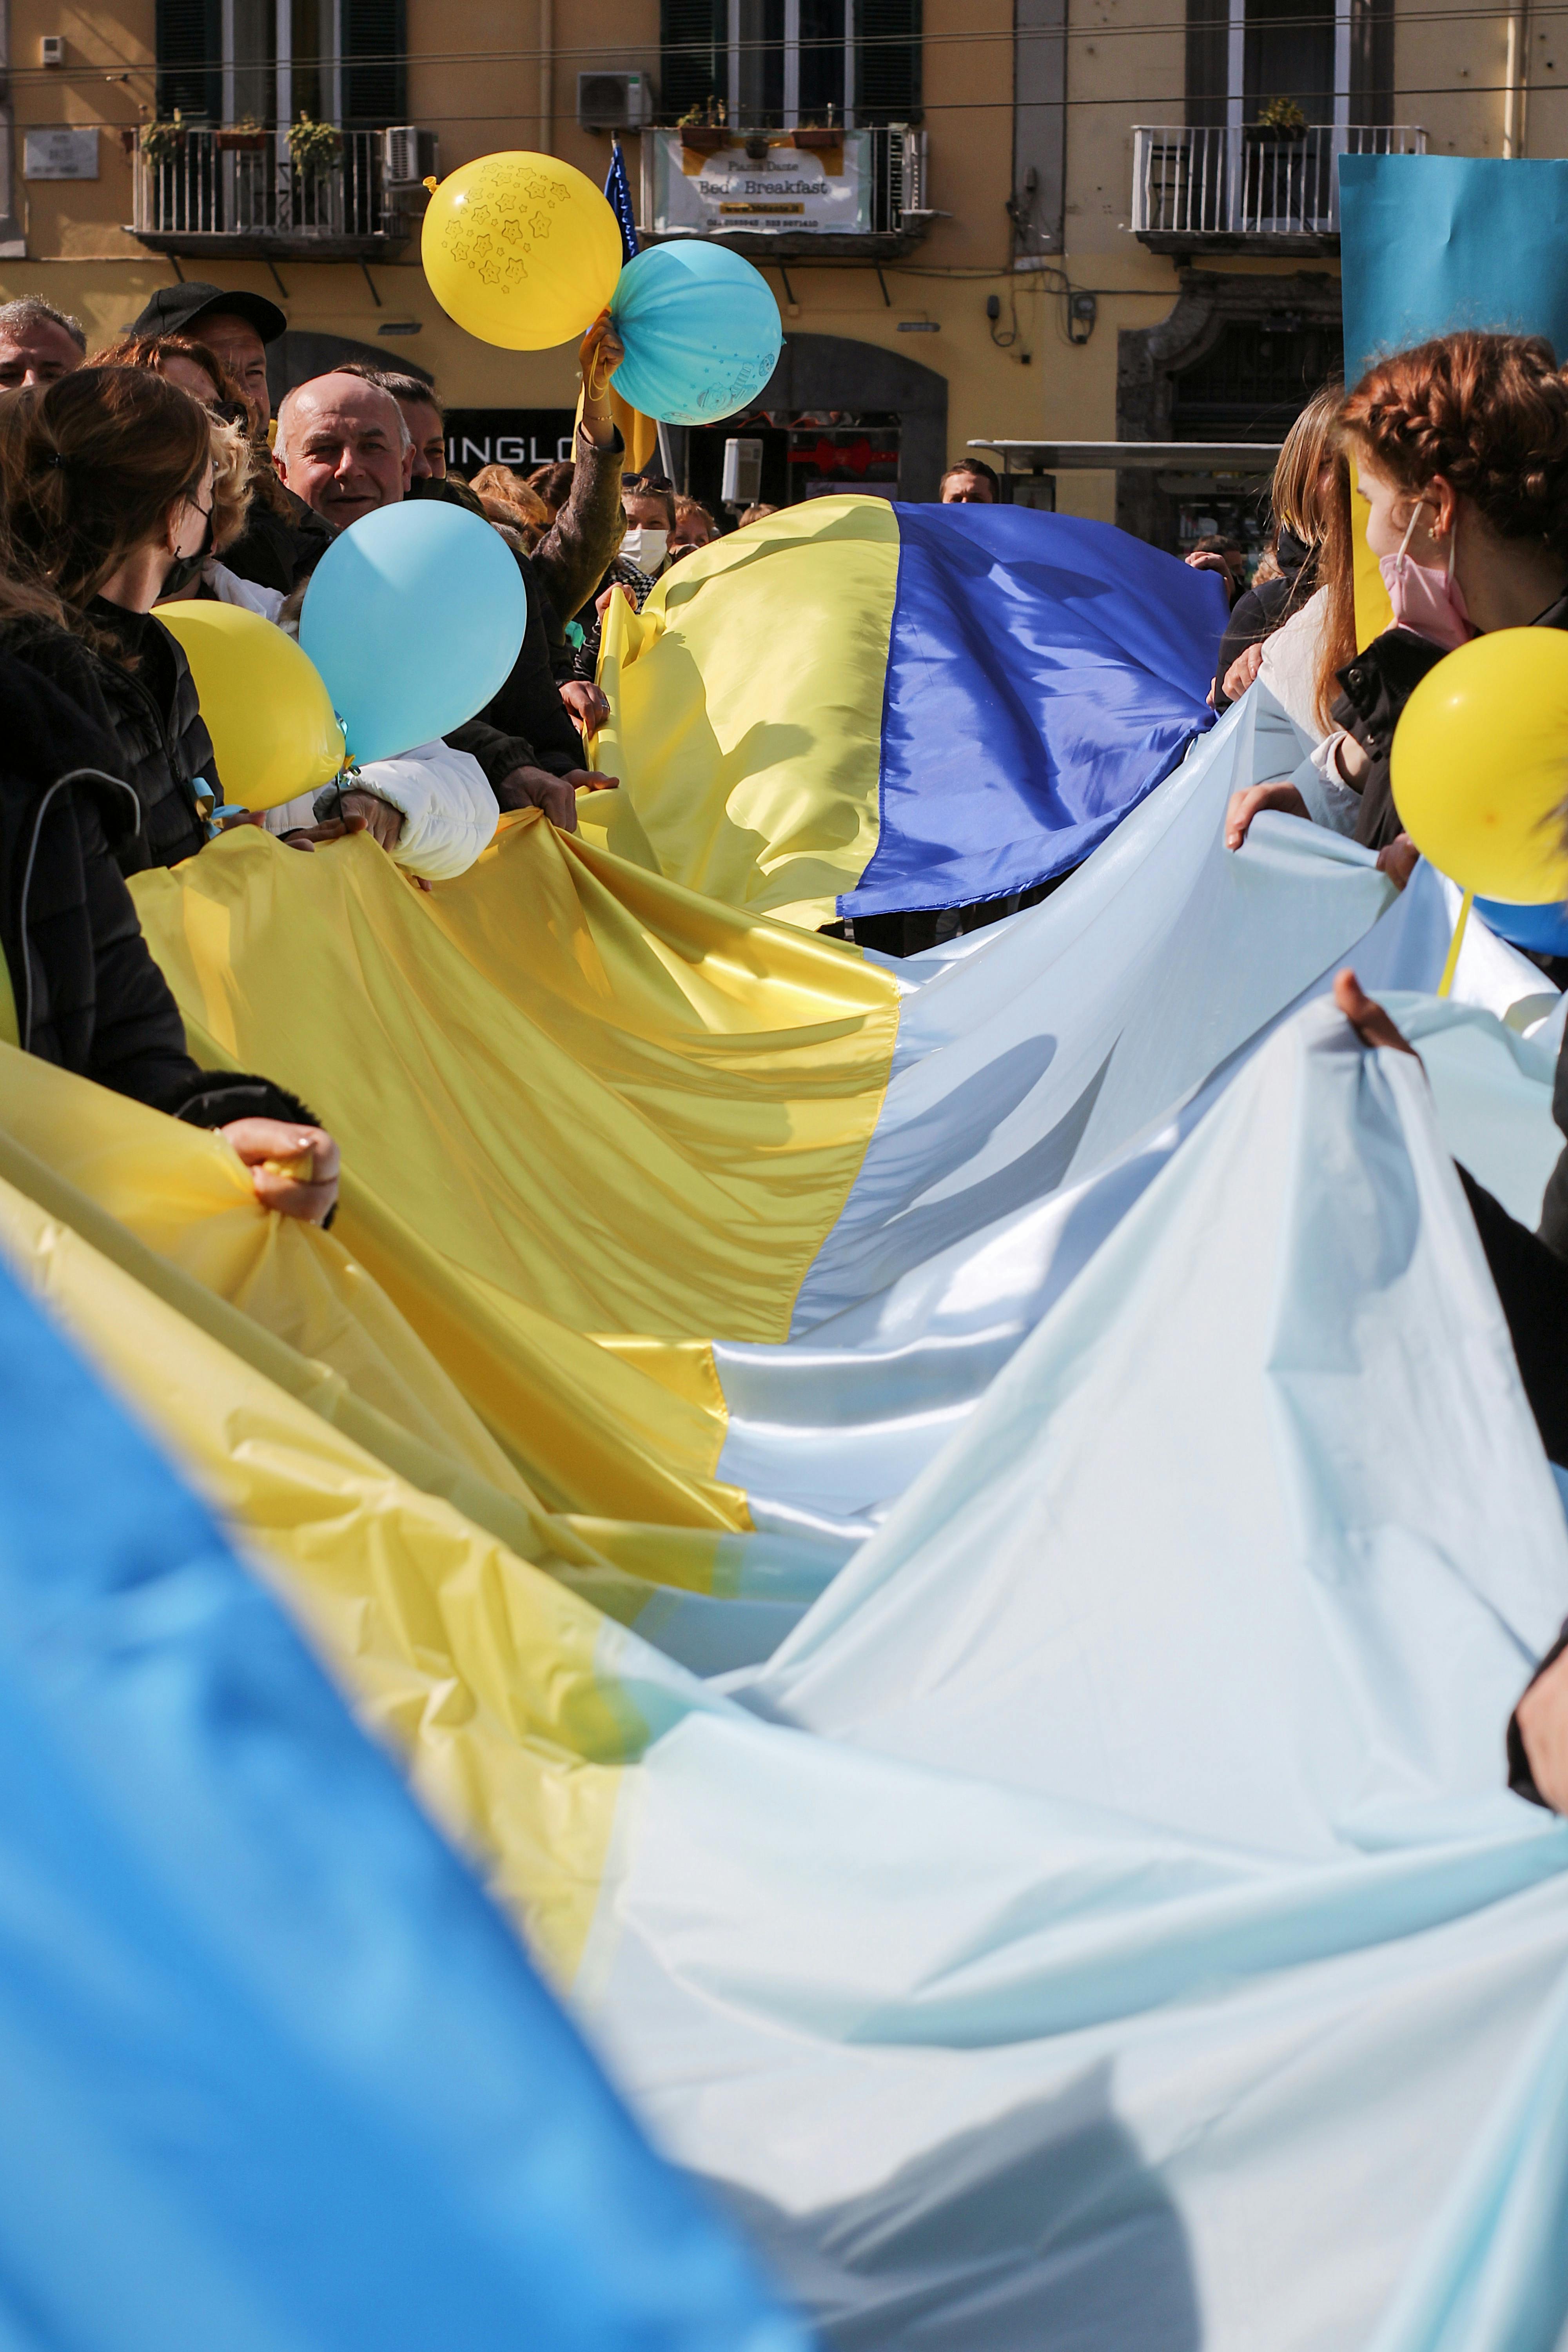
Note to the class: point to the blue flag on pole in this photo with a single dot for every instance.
(618, 195)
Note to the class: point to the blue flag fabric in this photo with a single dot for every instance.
(618, 195)
(1044, 674)
(1430, 243)
(274, 2072)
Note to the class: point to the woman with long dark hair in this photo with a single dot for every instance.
(107, 490)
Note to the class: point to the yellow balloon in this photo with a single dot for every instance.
(521, 250)
(1479, 766)
(267, 710)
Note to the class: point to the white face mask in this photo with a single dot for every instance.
(645, 547)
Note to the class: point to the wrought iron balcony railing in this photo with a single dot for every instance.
(240, 193)
(1198, 186)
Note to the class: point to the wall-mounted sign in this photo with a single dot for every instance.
(61, 154)
(794, 188)
(519, 437)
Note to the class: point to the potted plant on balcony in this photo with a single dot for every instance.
(817, 138)
(163, 143)
(246, 137)
(314, 148)
(702, 130)
(1281, 118)
(1277, 175)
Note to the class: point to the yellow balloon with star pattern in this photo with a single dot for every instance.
(521, 250)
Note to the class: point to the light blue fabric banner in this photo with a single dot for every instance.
(1428, 243)
(275, 2076)
(1105, 1922)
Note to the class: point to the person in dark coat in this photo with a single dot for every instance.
(107, 484)
(568, 560)
(77, 985)
(283, 541)
(523, 740)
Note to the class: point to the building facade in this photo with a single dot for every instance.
(1028, 220)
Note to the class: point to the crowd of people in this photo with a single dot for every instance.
(157, 472)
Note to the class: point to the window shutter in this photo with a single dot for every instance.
(376, 67)
(1371, 62)
(189, 35)
(887, 62)
(1208, 62)
(694, 64)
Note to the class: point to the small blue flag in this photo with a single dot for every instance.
(618, 194)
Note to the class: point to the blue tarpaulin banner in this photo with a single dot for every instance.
(1430, 243)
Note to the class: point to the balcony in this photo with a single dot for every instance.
(239, 196)
(788, 196)
(1249, 189)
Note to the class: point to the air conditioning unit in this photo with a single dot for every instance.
(613, 102)
(410, 156)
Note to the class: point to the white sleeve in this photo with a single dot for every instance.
(249, 594)
(449, 812)
(1331, 802)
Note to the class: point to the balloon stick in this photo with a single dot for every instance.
(1455, 944)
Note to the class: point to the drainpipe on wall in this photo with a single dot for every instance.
(1515, 86)
(12, 244)
(546, 76)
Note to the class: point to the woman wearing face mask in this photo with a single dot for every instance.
(1461, 456)
(647, 503)
(107, 488)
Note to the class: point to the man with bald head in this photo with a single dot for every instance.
(343, 446)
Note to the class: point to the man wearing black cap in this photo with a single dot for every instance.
(283, 539)
(236, 328)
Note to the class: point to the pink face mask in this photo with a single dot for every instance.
(1425, 599)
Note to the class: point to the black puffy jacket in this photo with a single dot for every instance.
(1375, 688)
(135, 686)
(88, 996)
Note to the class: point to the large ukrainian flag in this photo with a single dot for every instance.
(1057, 1382)
(853, 707)
(1075, 1926)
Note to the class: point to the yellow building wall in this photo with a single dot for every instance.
(474, 78)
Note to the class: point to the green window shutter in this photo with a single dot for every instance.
(189, 37)
(694, 62)
(376, 66)
(888, 61)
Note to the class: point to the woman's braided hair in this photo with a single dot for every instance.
(1490, 413)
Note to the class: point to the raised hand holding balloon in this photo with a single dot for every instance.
(702, 330)
(1480, 771)
(521, 250)
(414, 616)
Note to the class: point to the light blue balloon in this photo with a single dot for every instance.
(702, 330)
(414, 616)
(1542, 929)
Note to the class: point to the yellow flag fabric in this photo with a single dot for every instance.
(589, 1122)
(640, 432)
(778, 816)
(480, 1668)
(1373, 612)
